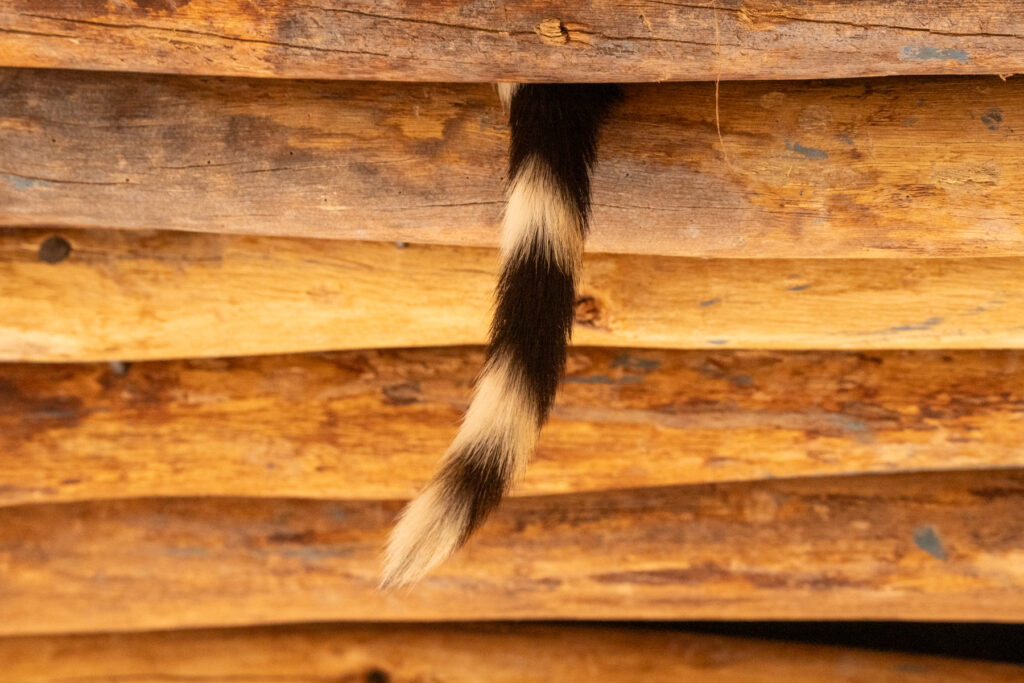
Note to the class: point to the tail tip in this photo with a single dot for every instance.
(427, 533)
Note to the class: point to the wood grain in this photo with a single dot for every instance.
(107, 295)
(938, 546)
(463, 654)
(373, 424)
(450, 40)
(876, 168)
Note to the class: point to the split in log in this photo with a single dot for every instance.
(519, 41)
(464, 654)
(880, 168)
(373, 425)
(108, 295)
(924, 546)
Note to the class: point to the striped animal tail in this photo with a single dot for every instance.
(554, 136)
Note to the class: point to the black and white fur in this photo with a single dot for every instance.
(553, 142)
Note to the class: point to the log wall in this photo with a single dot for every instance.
(940, 546)
(112, 295)
(878, 168)
(239, 312)
(451, 40)
(325, 425)
(462, 654)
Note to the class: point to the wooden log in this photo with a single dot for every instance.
(890, 168)
(526, 41)
(936, 546)
(106, 295)
(366, 425)
(464, 654)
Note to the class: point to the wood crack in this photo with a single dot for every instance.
(60, 181)
(839, 22)
(440, 206)
(890, 27)
(650, 39)
(17, 31)
(207, 34)
(410, 20)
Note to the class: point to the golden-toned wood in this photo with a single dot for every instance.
(363, 425)
(530, 40)
(468, 653)
(876, 168)
(92, 295)
(933, 546)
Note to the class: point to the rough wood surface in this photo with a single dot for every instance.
(889, 168)
(365, 425)
(108, 295)
(469, 653)
(937, 546)
(451, 40)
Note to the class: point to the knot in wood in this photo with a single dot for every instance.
(54, 250)
(588, 311)
(377, 676)
(552, 32)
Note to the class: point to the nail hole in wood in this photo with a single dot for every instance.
(54, 250)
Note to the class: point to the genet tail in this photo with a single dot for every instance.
(554, 136)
